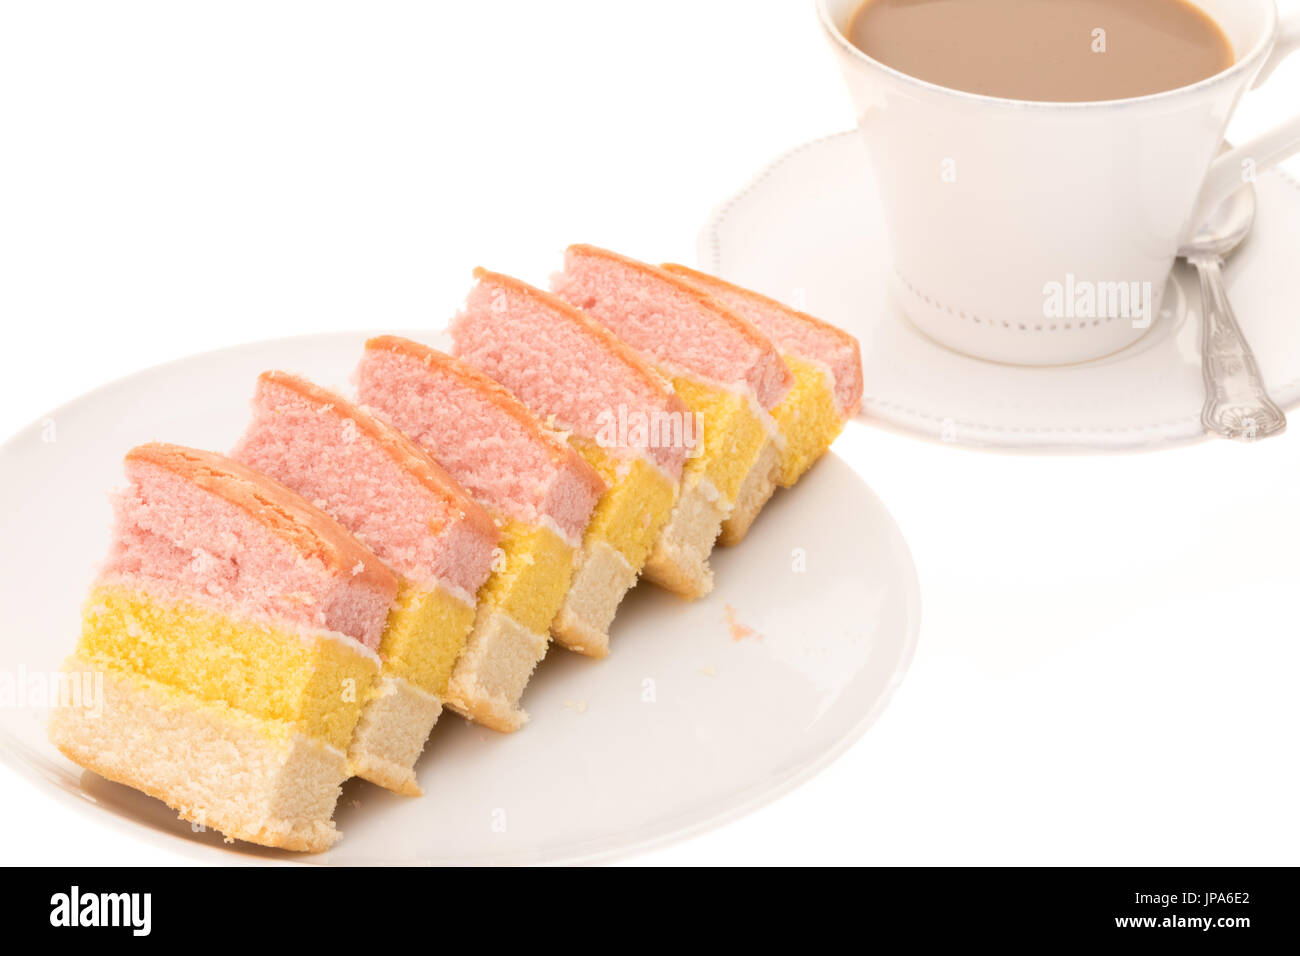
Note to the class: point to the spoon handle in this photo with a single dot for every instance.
(1236, 402)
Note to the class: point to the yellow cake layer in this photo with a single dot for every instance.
(636, 504)
(807, 417)
(424, 634)
(733, 437)
(316, 685)
(530, 575)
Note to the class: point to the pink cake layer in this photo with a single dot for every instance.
(672, 321)
(378, 483)
(196, 525)
(484, 436)
(563, 363)
(792, 331)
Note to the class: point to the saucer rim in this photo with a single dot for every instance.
(901, 419)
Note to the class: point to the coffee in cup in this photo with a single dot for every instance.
(1045, 50)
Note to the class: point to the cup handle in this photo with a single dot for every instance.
(1288, 41)
(1267, 149)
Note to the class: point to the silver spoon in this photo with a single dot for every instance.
(1236, 403)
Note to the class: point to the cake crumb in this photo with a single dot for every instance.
(560, 431)
(708, 670)
(578, 706)
(738, 630)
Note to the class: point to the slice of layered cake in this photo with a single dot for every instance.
(402, 505)
(618, 412)
(538, 489)
(235, 626)
(825, 361)
(728, 373)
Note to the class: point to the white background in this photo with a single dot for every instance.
(1107, 670)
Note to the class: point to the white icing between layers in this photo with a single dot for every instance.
(298, 736)
(549, 523)
(433, 583)
(710, 491)
(388, 685)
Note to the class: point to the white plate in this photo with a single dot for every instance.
(680, 728)
(807, 230)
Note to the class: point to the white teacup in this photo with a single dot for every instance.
(1043, 233)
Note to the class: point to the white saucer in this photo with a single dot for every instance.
(682, 727)
(807, 230)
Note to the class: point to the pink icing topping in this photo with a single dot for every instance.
(482, 435)
(564, 364)
(673, 322)
(364, 474)
(180, 542)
